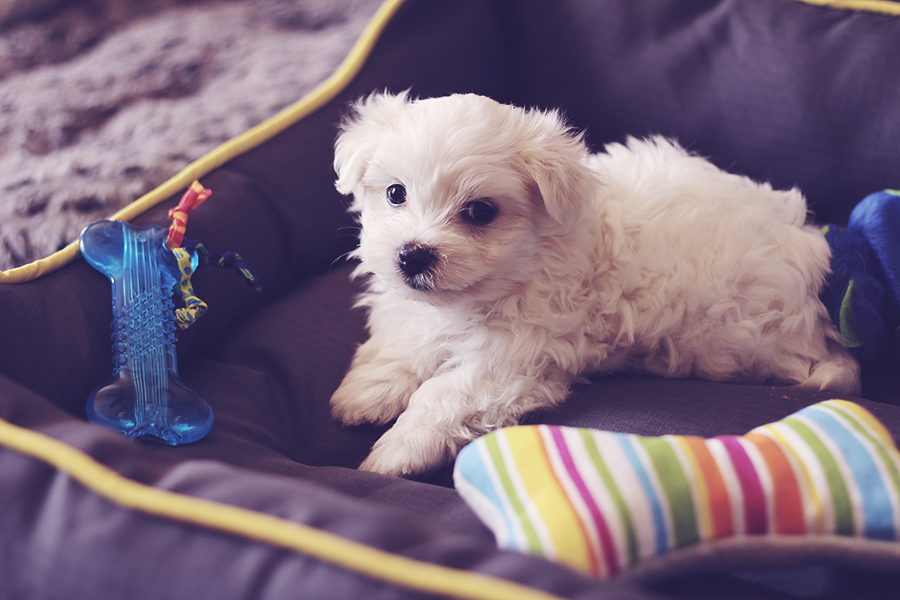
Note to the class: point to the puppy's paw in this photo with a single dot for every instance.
(838, 374)
(404, 452)
(373, 393)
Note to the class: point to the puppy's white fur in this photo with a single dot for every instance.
(641, 258)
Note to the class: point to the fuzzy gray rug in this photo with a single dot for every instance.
(103, 100)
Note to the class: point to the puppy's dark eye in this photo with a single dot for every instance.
(479, 212)
(396, 194)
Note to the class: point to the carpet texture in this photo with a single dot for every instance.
(103, 100)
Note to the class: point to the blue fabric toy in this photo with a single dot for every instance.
(863, 292)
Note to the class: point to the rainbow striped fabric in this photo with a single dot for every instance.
(601, 502)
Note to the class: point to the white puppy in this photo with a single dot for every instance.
(506, 261)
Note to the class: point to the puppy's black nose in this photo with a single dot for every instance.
(415, 259)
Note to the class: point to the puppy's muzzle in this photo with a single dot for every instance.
(416, 262)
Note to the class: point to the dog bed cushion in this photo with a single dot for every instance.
(268, 362)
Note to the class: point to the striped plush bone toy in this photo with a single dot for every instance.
(821, 484)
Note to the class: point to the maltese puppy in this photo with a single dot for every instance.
(505, 261)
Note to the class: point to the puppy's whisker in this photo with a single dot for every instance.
(345, 257)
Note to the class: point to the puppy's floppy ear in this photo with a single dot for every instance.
(360, 135)
(556, 162)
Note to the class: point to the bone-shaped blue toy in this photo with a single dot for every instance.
(145, 398)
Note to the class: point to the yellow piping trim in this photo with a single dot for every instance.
(248, 140)
(877, 6)
(320, 545)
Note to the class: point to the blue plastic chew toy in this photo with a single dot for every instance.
(145, 399)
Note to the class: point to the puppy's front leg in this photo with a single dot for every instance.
(378, 385)
(453, 408)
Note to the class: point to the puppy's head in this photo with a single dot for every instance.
(456, 194)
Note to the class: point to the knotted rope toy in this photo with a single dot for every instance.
(146, 399)
(193, 197)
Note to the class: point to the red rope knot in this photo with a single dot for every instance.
(193, 197)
